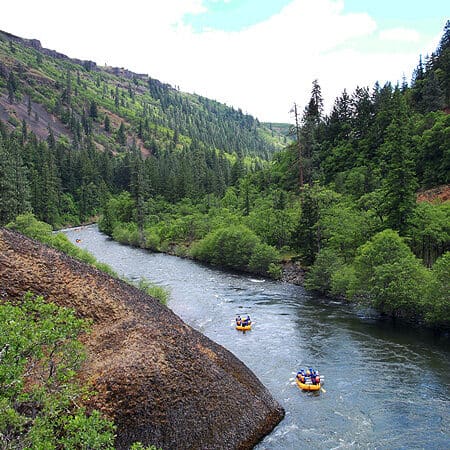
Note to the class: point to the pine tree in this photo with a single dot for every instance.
(400, 183)
(14, 186)
(311, 121)
(107, 123)
(121, 136)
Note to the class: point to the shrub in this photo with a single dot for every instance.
(152, 239)
(326, 264)
(437, 300)
(262, 257)
(42, 412)
(126, 233)
(159, 292)
(389, 275)
(235, 247)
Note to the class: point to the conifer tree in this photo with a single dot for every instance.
(400, 183)
(107, 124)
(121, 136)
(14, 186)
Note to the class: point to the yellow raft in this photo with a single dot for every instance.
(244, 327)
(307, 387)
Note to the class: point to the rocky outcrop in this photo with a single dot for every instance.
(293, 272)
(88, 65)
(161, 381)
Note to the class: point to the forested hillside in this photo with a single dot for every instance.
(78, 129)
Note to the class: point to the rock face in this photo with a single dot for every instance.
(161, 381)
(293, 273)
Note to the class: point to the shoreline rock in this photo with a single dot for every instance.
(293, 273)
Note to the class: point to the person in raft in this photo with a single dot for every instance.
(246, 321)
(315, 378)
(301, 376)
(238, 320)
(310, 375)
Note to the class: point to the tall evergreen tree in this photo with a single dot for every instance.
(400, 183)
(14, 186)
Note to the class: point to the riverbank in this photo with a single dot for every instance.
(140, 354)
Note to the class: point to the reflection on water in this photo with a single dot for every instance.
(386, 387)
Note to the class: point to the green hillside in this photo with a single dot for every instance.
(86, 102)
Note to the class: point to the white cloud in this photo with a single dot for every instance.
(263, 69)
(400, 34)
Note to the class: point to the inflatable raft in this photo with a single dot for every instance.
(244, 327)
(308, 387)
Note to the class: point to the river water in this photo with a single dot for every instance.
(386, 387)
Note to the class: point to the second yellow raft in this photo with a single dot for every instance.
(307, 387)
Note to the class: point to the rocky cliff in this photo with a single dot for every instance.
(161, 381)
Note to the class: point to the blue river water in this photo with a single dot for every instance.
(386, 386)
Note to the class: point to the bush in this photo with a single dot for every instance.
(389, 275)
(275, 271)
(42, 412)
(437, 300)
(126, 233)
(341, 280)
(118, 209)
(152, 239)
(158, 292)
(263, 256)
(228, 247)
(235, 247)
(319, 278)
(28, 225)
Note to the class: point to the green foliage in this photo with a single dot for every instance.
(118, 209)
(309, 234)
(429, 231)
(342, 278)
(14, 187)
(39, 357)
(159, 292)
(433, 143)
(327, 263)
(437, 300)
(263, 259)
(389, 275)
(400, 183)
(126, 233)
(235, 247)
(345, 228)
(139, 446)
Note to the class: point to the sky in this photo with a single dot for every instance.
(257, 55)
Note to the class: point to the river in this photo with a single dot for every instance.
(386, 387)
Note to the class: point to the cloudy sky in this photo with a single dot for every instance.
(259, 55)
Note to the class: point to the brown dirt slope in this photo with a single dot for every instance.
(160, 380)
(440, 193)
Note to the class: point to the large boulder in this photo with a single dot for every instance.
(161, 381)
